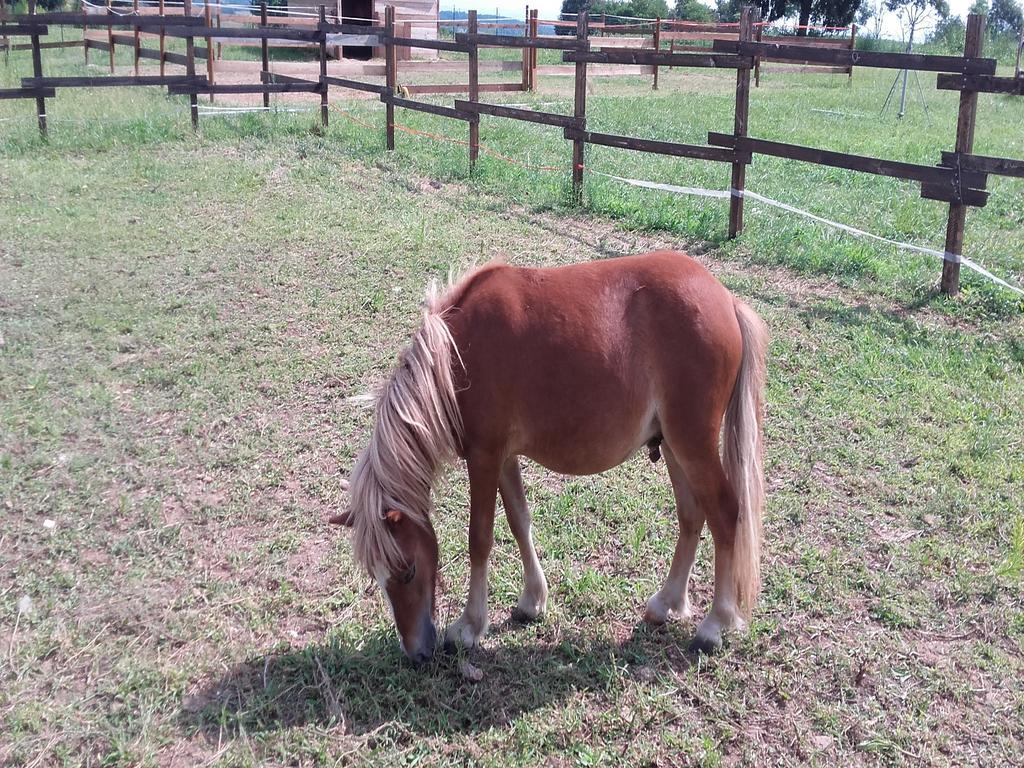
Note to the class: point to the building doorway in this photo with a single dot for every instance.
(357, 12)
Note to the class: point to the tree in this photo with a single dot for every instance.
(915, 14)
(1006, 17)
(729, 10)
(950, 33)
(569, 10)
(572, 7)
(864, 14)
(637, 9)
(832, 13)
(691, 10)
(870, 18)
(642, 9)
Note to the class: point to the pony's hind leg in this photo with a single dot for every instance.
(534, 598)
(672, 601)
(716, 501)
(468, 630)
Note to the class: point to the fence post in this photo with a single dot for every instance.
(957, 220)
(739, 169)
(404, 52)
(85, 31)
(163, 44)
(5, 42)
(323, 66)
(526, 52)
(190, 67)
(657, 47)
(534, 27)
(853, 47)
(265, 54)
(474, 90)
(390, 75)
(37, 71)
(110, 36)
(757, 59)
(580, 109)
(208, 20)
(135, 10)
(220, 45)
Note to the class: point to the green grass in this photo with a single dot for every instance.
(182, 317)
(816, 110)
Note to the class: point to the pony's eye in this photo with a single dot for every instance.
(408, 575)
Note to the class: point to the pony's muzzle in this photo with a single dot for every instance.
(421, 649)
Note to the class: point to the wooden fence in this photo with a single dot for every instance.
(696, 37)
(959, 178)
(636, 36)
(690, 37)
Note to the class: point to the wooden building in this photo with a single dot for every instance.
(413, 18)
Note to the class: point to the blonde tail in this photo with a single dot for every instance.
(742, 455)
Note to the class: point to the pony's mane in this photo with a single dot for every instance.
(418, 430)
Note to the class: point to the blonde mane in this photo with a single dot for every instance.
(418, 430)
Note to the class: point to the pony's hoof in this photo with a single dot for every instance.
(523, 616)
(704, 644)
(654, 617)
(709, 634)
(461, 634)
(657, 613)
(530, 608)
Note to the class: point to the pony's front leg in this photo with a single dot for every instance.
(470, 628)
(534, 598)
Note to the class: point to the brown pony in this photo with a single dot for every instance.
(576, 368)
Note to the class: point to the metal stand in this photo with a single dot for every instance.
(903, 94)
(905, 74)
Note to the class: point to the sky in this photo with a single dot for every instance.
(550, 8)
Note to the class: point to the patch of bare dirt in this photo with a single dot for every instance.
(307, 567)
(187, 754)
(226, 553)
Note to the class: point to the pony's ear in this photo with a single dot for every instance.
(393, 516)
(345, 519)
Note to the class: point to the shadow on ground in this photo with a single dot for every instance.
(363, 685)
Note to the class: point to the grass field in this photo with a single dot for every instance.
(182, 318)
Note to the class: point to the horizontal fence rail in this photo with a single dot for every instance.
(421, 106)
(1012, 86)
(515, 113)
(27, 93)
(100, 20)
(110, 81)
(670, 148)
(355, 85)
(956, 183)
(437, 45)
(842, 58)
(22, 30)
(999, 166)
(660, 58)
(511, 41)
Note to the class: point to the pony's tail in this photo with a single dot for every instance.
(742, 455)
